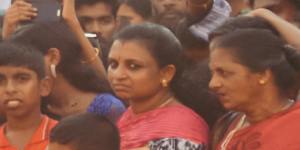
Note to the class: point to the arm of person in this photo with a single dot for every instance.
(19, 11)
(69, 15)
(288, 31)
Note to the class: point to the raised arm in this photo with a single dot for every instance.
(19, 11)
(288, 31)
(88, 50)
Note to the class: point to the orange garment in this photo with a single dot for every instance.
(39, 140)
(279, 132)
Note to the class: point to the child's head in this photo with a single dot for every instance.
(22, 81)
(84, 132)
(17, 55)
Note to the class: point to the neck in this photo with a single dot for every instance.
(31, 121)
(161, 99)
(71, 99)
(267, 107)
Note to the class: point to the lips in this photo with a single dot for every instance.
(120, 87)
(12, 103)
(221, 96)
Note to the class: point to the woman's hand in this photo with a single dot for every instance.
(288, 31)
(69, 13)
(263, 13)
(18, 12)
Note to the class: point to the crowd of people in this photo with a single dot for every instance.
(150, 75)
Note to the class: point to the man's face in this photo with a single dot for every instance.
(169, 12)
(97, 18)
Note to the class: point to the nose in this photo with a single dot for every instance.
(95, 27)
(10, 87)
(215, 83)
(118, 73)
(168, 4)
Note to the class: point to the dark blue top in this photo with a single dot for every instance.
(106, 104)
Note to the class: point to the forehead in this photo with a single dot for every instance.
(130, 50)
(125, 10)
(11, 70)
(100, 9)
(221, 57)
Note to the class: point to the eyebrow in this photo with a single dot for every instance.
(100, 17)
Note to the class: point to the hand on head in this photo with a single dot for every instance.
(19, 11)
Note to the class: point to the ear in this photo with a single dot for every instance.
(168, 72)
(264, 77)
(53, 56)
(45, 86)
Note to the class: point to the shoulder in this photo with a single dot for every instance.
(180, 112)
(107, 99)
(221, 127)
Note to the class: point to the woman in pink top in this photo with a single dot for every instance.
(144, 67)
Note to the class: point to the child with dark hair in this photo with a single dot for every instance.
(78, 75)
(22, 84)
(84, 132)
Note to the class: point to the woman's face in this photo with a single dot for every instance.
(236, 86)
(126, 15)
(133, 73)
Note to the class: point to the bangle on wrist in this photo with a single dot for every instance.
(93, 58)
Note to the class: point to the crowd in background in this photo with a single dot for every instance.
(150, 75)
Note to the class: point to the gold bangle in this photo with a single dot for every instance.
(93, 58)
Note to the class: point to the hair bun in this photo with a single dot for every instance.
(292, 56)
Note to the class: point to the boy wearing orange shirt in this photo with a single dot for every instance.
(22, 84)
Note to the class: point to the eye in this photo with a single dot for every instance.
(112, 64)
(2, 80)
(106, 20)
(134, 66)
(22, 78)
(223, 73)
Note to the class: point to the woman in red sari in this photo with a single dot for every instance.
(144, 67)
(253, 72)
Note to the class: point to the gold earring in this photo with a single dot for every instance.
(53, 70)
(164, 83)
(262, 82)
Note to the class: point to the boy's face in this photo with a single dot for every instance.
(20, 91)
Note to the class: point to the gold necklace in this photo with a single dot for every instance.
(289, 104)
(169, 100)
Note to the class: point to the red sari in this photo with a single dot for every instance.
(175, 121)
(279, 132)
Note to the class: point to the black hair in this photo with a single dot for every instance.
(295, 3)
(190, 42)
(259, 50)
(112, 3)
(141, 7)
(12, 54)
(242, 22)
(195, 93)
(161, 43)
(44, 36)
(86, 132)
